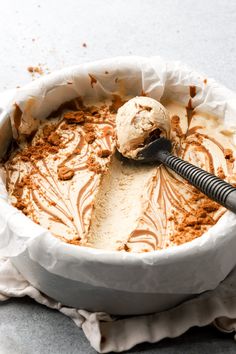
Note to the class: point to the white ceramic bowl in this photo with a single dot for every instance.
(115, 282)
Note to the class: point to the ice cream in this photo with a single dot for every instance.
(138, 121)
(54, 178)
(69, 179)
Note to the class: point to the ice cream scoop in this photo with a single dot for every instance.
(138, 122)
(211, 185)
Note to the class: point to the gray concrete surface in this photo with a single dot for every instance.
(29, 328)
(52, 32)
(200, 33)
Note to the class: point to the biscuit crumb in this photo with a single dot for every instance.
(65, 173)
(77, 117)
(35, 70)
(104, 153)
(90, 137)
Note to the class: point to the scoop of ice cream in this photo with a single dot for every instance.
(138, 122)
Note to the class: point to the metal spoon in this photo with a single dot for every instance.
(211, 185)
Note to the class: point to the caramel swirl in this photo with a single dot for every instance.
(50, 176)
(177, 212)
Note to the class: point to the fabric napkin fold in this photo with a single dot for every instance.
(115, 333)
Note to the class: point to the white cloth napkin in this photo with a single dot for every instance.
(109, 333)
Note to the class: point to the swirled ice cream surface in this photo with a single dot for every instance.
(70, 179)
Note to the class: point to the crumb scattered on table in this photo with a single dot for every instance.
(38, 70)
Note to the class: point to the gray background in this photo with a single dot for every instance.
(52, 32)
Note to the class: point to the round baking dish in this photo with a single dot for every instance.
(116, 282)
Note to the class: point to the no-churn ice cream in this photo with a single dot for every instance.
(69, 178)
(139, 120)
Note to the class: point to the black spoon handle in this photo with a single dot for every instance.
(214, 187)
